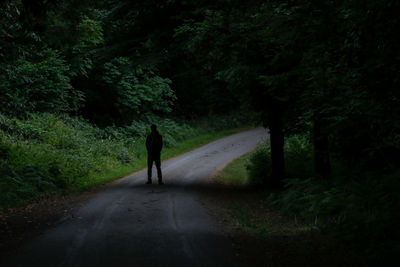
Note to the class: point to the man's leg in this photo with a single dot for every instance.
(158, 165)
(149, 167)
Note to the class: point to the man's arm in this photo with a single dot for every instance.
(161, 143)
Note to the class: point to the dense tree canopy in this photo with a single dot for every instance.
(327, 67)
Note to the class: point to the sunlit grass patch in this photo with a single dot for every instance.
(235, 173)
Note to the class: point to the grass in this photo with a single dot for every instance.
(253, 213)
(47, 154)
(179, 148)
(235, 173)
(353, 206)
(248, 221)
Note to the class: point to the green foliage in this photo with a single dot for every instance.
(353, 205)
(259, 168)
(235, 173)
(362, 209)
(37, 84)
(335, 62)
(338, 64)
(90, 35)
(10, 28)
(46, 153)
(298, 155)
(137, 90)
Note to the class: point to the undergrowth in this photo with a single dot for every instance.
(46, 153)
(352, 205)
(298, 156)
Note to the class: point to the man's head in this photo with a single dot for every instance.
(153, 128)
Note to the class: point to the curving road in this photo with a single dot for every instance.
(133, 224)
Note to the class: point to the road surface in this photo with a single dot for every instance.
(133, 224)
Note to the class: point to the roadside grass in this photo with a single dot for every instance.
(235, 173)
(354, 207)
(46, 155)
(253, 213)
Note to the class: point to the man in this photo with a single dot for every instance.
(154, 146)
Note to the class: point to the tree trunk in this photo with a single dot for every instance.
(275, 122)
(322, 162)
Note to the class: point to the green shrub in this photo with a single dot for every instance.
(172, 131)
(352, 204)
(259, 168)
(136, 89)
(362, 209)
(37, 84)
(297, 155)
(46, 153)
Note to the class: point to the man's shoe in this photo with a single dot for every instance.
(160, 183)
(149, 182)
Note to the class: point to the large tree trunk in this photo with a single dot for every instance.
(322, 162)
(275, 123)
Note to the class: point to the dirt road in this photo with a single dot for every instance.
(133, 224)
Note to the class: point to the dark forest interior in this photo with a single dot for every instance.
(82, 81)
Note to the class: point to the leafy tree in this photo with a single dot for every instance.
(33, 77)
(136, 90)
(37, 84)
(328, 68)
(305, 63)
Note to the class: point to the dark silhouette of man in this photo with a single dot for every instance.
(154, 146)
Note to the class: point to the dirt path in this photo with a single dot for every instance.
(132, 224)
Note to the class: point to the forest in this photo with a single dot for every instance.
(81, 81)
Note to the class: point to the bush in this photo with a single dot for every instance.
(37, 84)
(297, 155)
(358, 209)
(172, 131)
(136, 89)
(352, 205)
(46, 153)
(259, 168)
